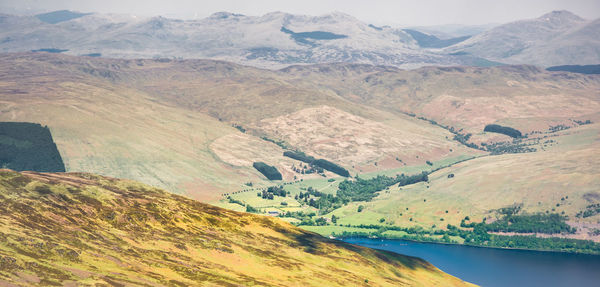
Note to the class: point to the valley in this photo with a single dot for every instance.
(197, 128)
(228, 143)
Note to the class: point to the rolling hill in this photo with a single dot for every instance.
(83, 229)
(179, 114)
(176, 113)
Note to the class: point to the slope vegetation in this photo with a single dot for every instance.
(83, 229)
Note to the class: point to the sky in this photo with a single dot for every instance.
(399, 12)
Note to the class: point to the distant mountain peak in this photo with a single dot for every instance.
(560, 15)
(338, 14)
(276, 13)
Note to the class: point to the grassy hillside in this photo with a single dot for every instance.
(107, 127)
(362, 144)
(84, 229)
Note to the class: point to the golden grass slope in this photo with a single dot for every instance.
(82, 229)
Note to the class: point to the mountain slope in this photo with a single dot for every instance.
(555, 38)
(85, 229)
(468, 98)
(278, 39)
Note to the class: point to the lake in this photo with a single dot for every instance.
(499, 267)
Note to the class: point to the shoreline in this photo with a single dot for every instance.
(461, 244)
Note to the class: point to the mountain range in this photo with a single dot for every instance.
(278, 39)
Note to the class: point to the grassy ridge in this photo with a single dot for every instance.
(85, 229)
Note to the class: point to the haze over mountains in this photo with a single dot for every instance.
(278, 39)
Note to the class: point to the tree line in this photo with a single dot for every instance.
(322, 163)
(493, 128)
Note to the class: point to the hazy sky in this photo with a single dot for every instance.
(403, 12)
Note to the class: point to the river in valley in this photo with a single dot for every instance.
(499, 267)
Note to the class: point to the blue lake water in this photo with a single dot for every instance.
(499, 267)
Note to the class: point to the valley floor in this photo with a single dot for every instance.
(464, 200)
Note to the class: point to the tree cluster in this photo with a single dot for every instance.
(320, 163)
(531, 223)
(268, 171)
(28, 146)
(366, 189)
(590, 210)
(503, 130)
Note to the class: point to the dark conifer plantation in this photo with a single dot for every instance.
(28, 146)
